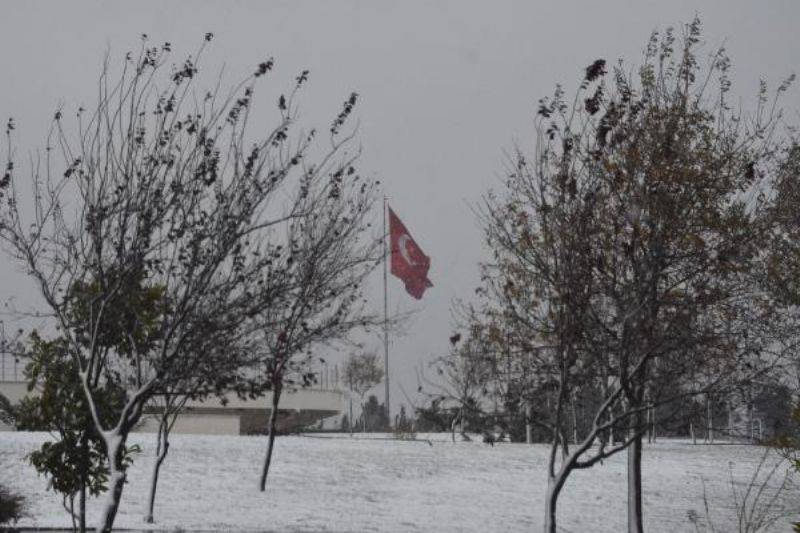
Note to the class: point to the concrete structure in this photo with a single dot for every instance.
(298, 409)
(14, 391)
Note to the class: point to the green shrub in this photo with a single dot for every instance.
(12, 506)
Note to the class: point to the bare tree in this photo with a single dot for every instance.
(540, 283)
(362, 372)
(160, 189)
(461, 381)
(222, 371)
(168, 407)
(328, 256)
(758, 502)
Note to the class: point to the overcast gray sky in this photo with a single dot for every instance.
(445, 87)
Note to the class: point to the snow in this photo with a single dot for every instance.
(334, 483)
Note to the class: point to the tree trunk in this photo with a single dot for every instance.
(635, 482)
(71, 510)
(363, 415)
(653, 427)
(84, 470)
(161, 453)
(273, 418)
(730, 420)
(574, 422)
(555, 482)
(554, 486)
(605, 385)
(116, 482)
(82, 509)
(528, 424)
(710, 419)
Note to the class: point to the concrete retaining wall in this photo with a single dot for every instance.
(236, 417)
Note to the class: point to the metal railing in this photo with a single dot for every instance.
(328, 377)
(12, 368)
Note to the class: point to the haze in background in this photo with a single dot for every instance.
(445, 88)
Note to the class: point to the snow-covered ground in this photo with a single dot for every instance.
(339, 484)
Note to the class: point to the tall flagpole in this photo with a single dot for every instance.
(386, 314)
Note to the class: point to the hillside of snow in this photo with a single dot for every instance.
(337, 484)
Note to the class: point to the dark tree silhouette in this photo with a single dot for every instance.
(627, 252)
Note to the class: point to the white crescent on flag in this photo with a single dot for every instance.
(403, 249)
(409, 262)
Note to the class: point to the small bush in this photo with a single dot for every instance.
(11, 506)
(401, 433)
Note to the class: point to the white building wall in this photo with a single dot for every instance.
(298, 400)
(196, 424)
(223, 419)
(14, 390)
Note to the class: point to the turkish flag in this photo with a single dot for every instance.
(408, 262)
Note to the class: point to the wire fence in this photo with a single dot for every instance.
(328, 377)
(11, 367)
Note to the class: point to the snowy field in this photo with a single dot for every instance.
(345, 485)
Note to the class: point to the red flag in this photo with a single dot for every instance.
(408, 262)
